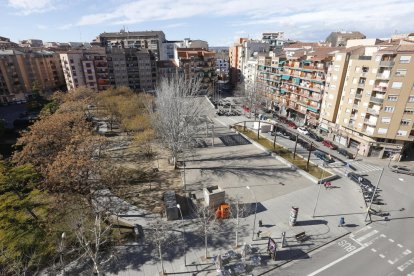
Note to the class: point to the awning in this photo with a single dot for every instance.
(296, 80)
(324, 127)
(306, 62)
(282, 62)
(312, 109)
(285, 77)
(283, 91)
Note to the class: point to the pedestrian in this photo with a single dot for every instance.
(341, 222)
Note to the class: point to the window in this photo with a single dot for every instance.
(333, 86)
(334, 77)
(89, 71)
(400, 73)
(389, 109)
(90, 77)
(396, 85)
(393, 98)
(338, 57)
(385, 120)
(357, 69)
(401, 133)
(409, 111)
(405, 59)
(88, 65)
(405, 122)
(411, 99)
(71, 60)
(382, 131)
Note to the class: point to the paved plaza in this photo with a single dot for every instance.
(276, 188)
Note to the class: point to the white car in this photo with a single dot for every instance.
(302, 130)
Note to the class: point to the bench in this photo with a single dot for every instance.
(301, 236)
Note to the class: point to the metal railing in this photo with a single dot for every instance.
(387, 63)
(376, 100)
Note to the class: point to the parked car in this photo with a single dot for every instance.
(292, 136)
(402, 169)
(308, 147)
(292, 125)
(314, 136)
(359, 179)
(302, 130)
(329, 144)
(345, 153)
(323, 157)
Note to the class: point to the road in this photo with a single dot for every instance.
(380, 248)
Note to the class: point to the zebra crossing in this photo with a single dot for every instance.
(359, 166)
(393, 253)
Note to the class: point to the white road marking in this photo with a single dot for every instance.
(405, 265)
(373, 250)
(382, 235)
(366, 236)
(382, 256)
(362, 229)
(391, 262)
(336, 261)
(406, 252)
(391, 240)
(399, 245)
(401, 179)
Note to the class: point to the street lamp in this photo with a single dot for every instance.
(182, 219)
(373, 195)
(255, 211)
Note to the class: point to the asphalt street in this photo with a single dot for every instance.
(383, 247)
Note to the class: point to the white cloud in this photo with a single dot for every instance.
(27, 7)
(41, 27)
(65, 27)
(309, 16)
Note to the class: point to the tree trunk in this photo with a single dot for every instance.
(162, 263)
(205, 242)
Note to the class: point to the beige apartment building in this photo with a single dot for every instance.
(25, 72)
(369, 100)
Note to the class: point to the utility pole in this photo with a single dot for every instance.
(296, 144)
(309, 155)
(319, 191)
(373, 195)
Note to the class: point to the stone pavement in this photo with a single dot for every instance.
(276, 189)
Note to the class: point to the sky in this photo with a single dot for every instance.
(220, 22)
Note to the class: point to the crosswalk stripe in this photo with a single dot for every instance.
(366, 236)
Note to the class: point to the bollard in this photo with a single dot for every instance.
(260, 223)
(283, 239)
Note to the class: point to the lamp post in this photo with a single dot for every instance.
(185, 247)
(61, 249)
(373, 195)
(319, 190)
(255, 211)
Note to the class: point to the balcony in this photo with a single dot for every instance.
(376, 100)
(361, 85)
(380, 89)
(369, 122)
(372, 111)
(358, 96)
(387, 63)
(355, 106)
(382, 76)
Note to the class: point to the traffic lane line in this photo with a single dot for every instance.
(336, 261)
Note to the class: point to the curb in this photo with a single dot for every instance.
(209, 101)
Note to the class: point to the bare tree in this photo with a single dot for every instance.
(160, 235)
(206, 220)
(177, 113)
(238, 210)
(93, 238)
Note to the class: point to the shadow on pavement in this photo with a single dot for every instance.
(291, 254)
(310, 222)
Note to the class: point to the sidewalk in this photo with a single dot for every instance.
(276, 188)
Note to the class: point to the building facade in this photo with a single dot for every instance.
(151, 40)
(26, 73)
(369, 106)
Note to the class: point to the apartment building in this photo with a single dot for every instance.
(369, 105)
(295, 83)
(337, 39)
(24, 73)
(5, 43)
(86, 67)
(151, 40)
(198, 62)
